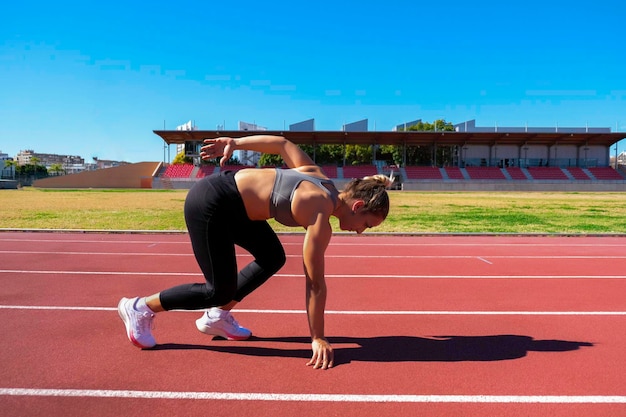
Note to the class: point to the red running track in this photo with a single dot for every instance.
(436, 326)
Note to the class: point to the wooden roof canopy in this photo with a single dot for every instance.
(412, 138)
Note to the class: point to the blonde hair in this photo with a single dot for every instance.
(373, 191)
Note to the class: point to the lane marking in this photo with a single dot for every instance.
(354, 276)
(415, 241)
(347, 398)
(349, 312)
(165, 254)
(486, 261)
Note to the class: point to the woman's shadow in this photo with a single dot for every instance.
(398, 348)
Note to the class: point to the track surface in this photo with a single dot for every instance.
(433, 326)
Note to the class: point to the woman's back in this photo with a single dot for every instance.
(256, 185)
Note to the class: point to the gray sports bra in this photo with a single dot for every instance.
(285, 184)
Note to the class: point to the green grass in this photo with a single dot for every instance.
(411, 212)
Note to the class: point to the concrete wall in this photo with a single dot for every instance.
(530, 185)
(8, 184)
(140, 175)
(137, 175)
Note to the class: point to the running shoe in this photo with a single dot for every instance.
(138, 324)
(218, 322)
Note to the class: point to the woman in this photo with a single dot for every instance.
(228, 209)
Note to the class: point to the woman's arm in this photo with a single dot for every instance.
(224, 147)
(314, 248)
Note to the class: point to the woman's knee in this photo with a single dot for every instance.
(220, 299)
(276, 261)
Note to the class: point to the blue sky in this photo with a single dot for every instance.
(95, 79)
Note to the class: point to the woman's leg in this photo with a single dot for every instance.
(261, 241)
(209, 221)
(210, 207)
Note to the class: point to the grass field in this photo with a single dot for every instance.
(411, 212)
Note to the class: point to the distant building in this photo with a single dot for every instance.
(6, 171)
(246, 157)
(470, 126)
(71, 163)
(304, 126)
(106, 163)
(360, 126)
(188, 148)
(406, 125)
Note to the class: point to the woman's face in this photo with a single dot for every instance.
(357, 220)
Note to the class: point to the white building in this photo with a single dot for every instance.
(246, 157)
(71, 163)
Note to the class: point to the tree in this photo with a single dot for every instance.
(181, 159)
(390, 153)
(427, 155)
(359, 154)
(328, 154)
(56, 169)
(270, 160)
(26, 173)
(10, 163)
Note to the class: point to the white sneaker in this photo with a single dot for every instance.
(220, 322)
(138, 324)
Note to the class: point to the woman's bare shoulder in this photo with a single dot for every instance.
(313, 170)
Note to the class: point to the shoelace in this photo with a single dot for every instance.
(231, 320)
(145, 322)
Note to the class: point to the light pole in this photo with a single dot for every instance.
(525, 156)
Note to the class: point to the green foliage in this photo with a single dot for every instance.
(181, 159)
(359, 154)
(38, 171)
(390, 153)
(439, 125)
(56, 169)
(268, 160)
(329, 155)
(426, 155)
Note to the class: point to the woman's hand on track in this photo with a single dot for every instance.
(323, 355)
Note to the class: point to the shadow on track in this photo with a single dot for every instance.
(398, 348)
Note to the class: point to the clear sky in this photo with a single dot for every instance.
(95, 79)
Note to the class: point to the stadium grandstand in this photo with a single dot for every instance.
(476, 158)
(480, 158)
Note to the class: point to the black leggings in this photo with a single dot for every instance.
(217, 221)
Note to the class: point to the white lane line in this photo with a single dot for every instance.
(16, 252)
(178, 274)
(356, 256)
(416, 241)
(351, 312)
(174, 274)
(486, 261)
(346, 398)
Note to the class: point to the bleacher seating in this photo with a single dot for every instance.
(578, 173)
(605, 173)
(547, 173)
(330, 171)
(485, 173)
(235, 167)
(178, 171)
(210, 169)
(516, 173)
(454, 173)
(187, 172)
(422, 173)
(205, 170)
(359, 171)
